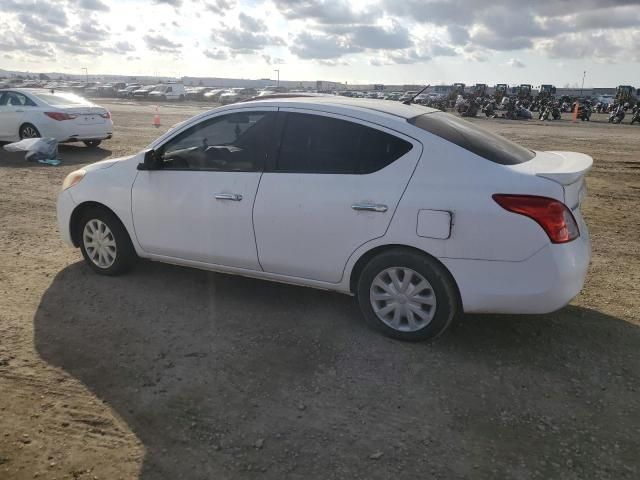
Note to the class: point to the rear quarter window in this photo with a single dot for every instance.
(465, 134)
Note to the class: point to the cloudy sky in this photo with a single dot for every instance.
(368, 41)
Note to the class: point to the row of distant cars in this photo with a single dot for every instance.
(177, 91)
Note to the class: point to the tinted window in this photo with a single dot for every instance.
(234, 142)
(61, 99)
(470, 137)
(15, 99)
(318, 144)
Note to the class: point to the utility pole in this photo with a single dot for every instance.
(86, 74)
(278, 82)
(584, 74)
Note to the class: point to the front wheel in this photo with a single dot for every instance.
(92, 143)
(407, 295)
(105, 243)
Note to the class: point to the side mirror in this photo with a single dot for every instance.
(150, 161)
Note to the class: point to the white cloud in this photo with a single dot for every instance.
(399, 41)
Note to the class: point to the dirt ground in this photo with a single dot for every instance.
(174, 373)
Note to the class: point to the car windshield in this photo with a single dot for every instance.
(163, 88)
(472, 138)
(61, 99)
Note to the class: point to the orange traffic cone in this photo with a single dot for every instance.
(156, 118)
(575, 112)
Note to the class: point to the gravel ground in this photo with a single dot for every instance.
(173, 373)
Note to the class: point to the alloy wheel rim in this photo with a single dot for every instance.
(99, 243)
(29, 132)
(402, 299)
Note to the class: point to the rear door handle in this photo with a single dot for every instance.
(228, 196)
(370, 207)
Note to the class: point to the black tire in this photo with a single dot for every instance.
(28, 130)
(125, 254)
(448, 304)
(92, 143)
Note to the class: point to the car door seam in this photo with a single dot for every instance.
(415, 167)
(253, 222)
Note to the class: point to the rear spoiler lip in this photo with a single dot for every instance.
(575, 167)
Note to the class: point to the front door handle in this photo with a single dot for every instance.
(370, 207)
(228, 196)
(19, 111)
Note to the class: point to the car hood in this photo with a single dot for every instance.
(107, 163)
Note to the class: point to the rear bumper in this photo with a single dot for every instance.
(64, 209)
(65, 132)
(80, 138)
(545, 282)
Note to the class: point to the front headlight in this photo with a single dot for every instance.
(73, 178)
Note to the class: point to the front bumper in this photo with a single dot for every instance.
(64, 209)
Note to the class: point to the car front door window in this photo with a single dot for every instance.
(235, 142)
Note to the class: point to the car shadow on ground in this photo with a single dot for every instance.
(71, 154)
(230, 377)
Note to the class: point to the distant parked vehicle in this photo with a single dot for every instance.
(636, 115)
(237, 94)
(143, 92)
(617, 114)
(213, 95)
(127, 92)
(408, 95)
(33, 113)
(197, 93)
(168, 91)
(395, 96)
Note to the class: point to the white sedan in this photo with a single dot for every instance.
(29, 113)
(419, 214)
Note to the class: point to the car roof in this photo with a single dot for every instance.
(34, 91)
(396, 109)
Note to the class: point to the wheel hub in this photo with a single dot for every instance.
(403, 299)
(99, 243)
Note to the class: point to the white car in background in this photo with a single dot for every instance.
(168, 91)
(419, 214)
(30, 113)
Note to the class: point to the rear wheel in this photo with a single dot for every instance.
(105, 243)
(92, 143)
(28, 131)
(407, 295)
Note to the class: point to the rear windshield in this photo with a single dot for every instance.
(64, 99)
(470, 137)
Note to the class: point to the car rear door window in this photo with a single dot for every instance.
(321, 144)
(15, 99)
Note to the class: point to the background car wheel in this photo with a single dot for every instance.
(408, 295)
(28, 131)
(92, 143)
(105, 243)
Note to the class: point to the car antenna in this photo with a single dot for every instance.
(410, 101)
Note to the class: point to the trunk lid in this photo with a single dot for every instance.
(86, 114)
(565, 168)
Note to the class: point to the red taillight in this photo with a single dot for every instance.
(60, 115)
(106, 115)
(553, 216)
